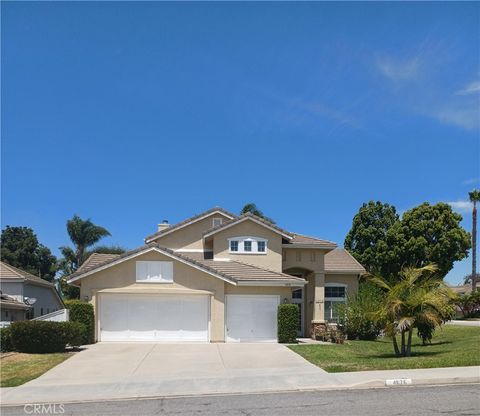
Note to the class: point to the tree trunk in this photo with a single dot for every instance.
(474, 247)
(395, 346)
(403, 343)
(409, 342)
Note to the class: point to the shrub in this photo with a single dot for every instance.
(357, 315)
(288, 318)
(83, 312)
(6, 340)
(45, 336)
(469, 304)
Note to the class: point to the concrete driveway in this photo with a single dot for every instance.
(121, 370)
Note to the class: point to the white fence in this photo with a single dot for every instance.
(58, 316)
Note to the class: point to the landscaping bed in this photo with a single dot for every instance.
(18, 368)
(452, 346)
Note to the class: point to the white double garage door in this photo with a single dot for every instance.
(185, 318)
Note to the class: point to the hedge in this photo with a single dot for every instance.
(83, 312)
(6, 340)
(45, 336)
(287, 317)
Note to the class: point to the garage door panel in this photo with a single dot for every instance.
(251, 318)
(154, 318)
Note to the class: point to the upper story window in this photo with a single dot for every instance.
(154, 272)
(233, 245)
(248, 245)
(216, 222)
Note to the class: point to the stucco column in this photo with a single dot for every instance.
(318, 301)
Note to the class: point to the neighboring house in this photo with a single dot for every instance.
(215, 277)
(464, 289)
(19, 289)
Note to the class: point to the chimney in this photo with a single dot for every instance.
(163, 226)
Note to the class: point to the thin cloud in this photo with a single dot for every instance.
(397, 69)
(472, 88)
(464, 116)
(471, 181)
(461, 206)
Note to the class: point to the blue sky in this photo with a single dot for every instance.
(129, 113)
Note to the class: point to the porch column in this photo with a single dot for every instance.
(318, 318)
(319, 304)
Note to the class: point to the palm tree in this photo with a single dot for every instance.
(253, 209)
(84, 234)
(417, 300)
(474, 198)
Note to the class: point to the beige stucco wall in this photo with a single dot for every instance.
(191, 236)
(310, 259)
(272, 260)
(185, 277)
(283, 292)
(351, 280)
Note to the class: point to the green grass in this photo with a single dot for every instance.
(452, 346)
(17, 369)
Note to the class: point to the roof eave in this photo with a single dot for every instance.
(157, 235)
(272, 282)
(305, 245)
(246, 218)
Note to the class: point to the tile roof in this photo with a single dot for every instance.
(188, 220)
(6, 300)
(10, 272)
(305, 239)
(340, 260)
(241, 271)
(95, 259)
(233, 271)
(242, 217)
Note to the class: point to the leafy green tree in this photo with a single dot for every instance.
(432, 234)
(418, 299)
(370, 235)
(469, 304)
(426, 234)
(474, 198)
(253, 209)
(20, 248)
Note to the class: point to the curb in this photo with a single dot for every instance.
(372, 384)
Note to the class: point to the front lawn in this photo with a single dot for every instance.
(19, 368)
(452, 346)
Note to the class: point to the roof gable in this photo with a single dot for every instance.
(341, 261)
(248, 217)
(188, 221)
(234, 273)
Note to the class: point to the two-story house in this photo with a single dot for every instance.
(25, 296)
(215, 277)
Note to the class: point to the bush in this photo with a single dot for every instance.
(6, 340)
(83, 312)
(288, 318)
(45, 336)
(357, 315)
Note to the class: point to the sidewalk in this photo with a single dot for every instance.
(239, 383)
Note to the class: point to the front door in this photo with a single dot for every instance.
(297, 298)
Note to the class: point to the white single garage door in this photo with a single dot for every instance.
(167, 318)
(251, 318)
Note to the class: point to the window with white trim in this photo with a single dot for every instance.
(154, 271)
(335, 294)
(248, 245)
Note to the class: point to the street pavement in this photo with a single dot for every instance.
(406, 401)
